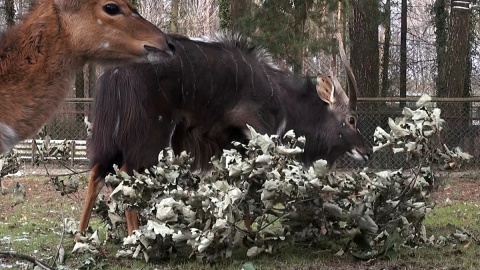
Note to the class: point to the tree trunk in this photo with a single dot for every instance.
(231, 11)
(79, 93)
(440, 11)
(20, 7)
(300, 18)
(365, 61)
(339, 28)
(364, 54)
(458, 52)
(174, 17)
(92, 79)
(457, 74)
(10, 12)
(403, 52)
(238, 9)
(386, 50)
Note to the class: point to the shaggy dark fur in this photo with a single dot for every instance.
(203, 99)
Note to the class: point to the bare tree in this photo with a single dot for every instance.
(458, 52)
(231, 11)
(457, 69)
(198, 17)
(156, 11)
(174, 17)
(403, 52)
(92, 79)
(365, 54)
(440, 19)
(79, 93)
(10, 12)
(387, 36)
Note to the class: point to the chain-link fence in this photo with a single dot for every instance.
(69, 123)
(462, 126)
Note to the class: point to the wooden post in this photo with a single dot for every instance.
(34, 150)
(73, 153)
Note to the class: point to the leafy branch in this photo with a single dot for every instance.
(259, 195)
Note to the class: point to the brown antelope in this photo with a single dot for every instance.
(40, 55)
(202, 100)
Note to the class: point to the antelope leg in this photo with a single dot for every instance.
(130, 215)
(95, 185)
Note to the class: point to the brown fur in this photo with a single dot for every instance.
(40, 55)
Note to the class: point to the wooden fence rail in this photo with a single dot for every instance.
(27, 150)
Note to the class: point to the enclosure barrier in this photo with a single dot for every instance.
(27, 151)
(462, 127)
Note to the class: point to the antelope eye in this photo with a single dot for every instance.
(351, 120)
(111, 9)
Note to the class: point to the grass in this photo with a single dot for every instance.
(443, 221)
(35, 228)
(459, 214)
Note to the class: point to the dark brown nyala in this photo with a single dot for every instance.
(202, 100)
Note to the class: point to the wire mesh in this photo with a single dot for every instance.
(462, 128)
(69, 123)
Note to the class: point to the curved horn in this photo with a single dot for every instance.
(352, 82)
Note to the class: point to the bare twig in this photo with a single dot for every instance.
(59, 246)
(73, 172)
(7, 254)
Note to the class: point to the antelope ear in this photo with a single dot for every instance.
(69, 5)
(325, 89)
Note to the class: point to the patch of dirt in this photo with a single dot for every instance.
(40, 192)
(458, 190)
(39, 189)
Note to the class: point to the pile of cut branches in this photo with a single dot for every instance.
(260, 197)
(9, 163)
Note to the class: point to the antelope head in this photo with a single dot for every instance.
(115, 29)
(346, 136)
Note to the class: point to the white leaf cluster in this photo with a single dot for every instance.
(417, 133)
(9, 163)
(48, 149)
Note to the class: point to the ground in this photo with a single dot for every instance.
(33, 227)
